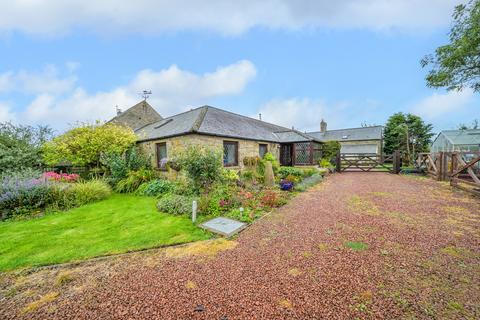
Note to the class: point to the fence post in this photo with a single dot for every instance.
(396, 162)
(445, 167)
(454, 168)
(338, 161)
(440, 166)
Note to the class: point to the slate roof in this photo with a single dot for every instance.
(462, 137)
(353, 134)
(213, 121)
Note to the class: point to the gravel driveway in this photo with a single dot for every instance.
(360, 245)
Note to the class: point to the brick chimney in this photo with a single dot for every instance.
(323, 126)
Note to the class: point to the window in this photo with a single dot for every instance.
(162, 155)
(230, 153)
(262, 149)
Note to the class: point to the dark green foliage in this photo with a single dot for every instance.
(457, 64)
(156, 188)
(203, 166)
(219, 200)
(401, 128)
(175, 204)
(270, 158)
(330, 150)
(134, 179)
(308, 172)
(119, 165)
(20, 146)
(284, 172)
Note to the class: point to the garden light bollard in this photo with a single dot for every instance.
(194, 210)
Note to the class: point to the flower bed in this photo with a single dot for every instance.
(27, 195)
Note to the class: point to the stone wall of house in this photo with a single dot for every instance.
(246, 148)
(137, 116)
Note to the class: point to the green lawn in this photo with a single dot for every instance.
(117, 224)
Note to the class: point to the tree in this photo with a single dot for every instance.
(475, 125)
(407, 133)
(20, 146)
(457, 64)
(83, 146)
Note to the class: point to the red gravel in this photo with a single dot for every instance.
(422, 261)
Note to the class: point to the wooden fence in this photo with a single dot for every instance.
(462, 169)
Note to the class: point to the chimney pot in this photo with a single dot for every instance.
(323, 126)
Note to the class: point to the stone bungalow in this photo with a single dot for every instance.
(238, 136)
(353, 140)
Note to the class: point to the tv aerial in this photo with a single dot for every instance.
(146, 94)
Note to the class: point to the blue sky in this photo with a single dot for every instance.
(296, 62)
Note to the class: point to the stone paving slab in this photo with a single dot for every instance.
(224, 226)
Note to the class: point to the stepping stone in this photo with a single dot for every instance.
(224, 226)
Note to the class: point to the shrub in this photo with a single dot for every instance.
(247, 215)
(119, 165)
(272, 199)
(270, 158)
(175, 204)
(156, 187)
(203, 166)
(308, 172)
(292, 178)
(308, 182)
(284, 172)
(20, 146)
(330, 150)
(82, 146)
(324, 163)
(220, 199)
(89, 191)
(21, 195)
(133, 180)
(67, 196)
(229, 176)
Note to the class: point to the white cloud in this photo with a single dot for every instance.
(173, 89)
(441, 104)
(54, 17)
(46, 81)
(302, 113)
(5, 113)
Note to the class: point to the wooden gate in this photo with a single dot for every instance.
(431, 164)
(368, 162)
(461, 168)
(465, 174)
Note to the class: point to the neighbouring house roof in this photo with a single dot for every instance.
(137, 116)
(213, 121)
(461, 137)
(353, 134)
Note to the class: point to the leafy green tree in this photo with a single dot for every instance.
(83, 146)
(407, 133)
(457, 64)
(20, 146)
